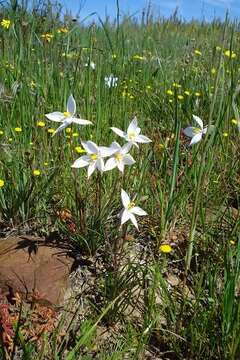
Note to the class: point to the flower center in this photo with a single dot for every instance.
(94, 157)
(66, 113)
(131, 135)
(197, 130)
(118, 157)
(131, 205)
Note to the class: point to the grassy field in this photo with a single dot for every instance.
(170, 290)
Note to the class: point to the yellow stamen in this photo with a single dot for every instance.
(94, 157)
(196, 130)
(118, 157)
(131, 135)
(131, 205)
(66, 113)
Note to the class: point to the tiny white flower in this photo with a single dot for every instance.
(67, 117)
(196, 133)
(94, 157)
(111, 81)
(133, 133)
(120, 157)
(91, 64)
(130, 210)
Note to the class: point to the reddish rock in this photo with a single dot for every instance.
(32, 266)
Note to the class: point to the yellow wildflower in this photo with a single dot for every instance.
(165, 248)
(230, 54)
(1, 183)
(18, 129)
(45, 163)
(41, 124)
(225, 134)
(180, 97)
(62, 30)
(170, 92)
(51, 131)
(176, 85)
(79, 150)
(47, 36)
(68, 130)
(197, 52)
(197, 94)
(36, 172)
(75, 134)
(138, 57)
(186, 92)
(213, 71)
(5, 23)
(114, 56)
(234, 122)
(1, 132)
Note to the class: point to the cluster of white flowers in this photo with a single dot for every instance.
(118, 156)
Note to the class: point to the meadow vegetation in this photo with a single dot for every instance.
(169, 289)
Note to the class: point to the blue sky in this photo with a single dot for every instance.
(188, 9)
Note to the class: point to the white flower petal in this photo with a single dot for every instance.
(91, 168)
(118, 132)
(133, 126)
(100, 165)
(138, 211)
(142, 139)
(133, 220)
(199, 121)
(126, 148)
(71, 105)
(128, 159)
(125, 216)
(190, 131)
(196, 138)
(110, 164)
(81, 162)
(81, 121)
(55, 116)
(125, 198)
(115, 146)
(90, 147)
(106, 151)
(120, 166)
(61, 127)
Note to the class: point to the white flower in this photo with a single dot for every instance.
(194, 132)
(120, 157)
(94, 157)
(67, 117)
(130, 210)
(132, 134)
(111, 81)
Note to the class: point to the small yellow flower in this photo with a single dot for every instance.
(225, 134)
(5, 23)
(41, 124)
(232, 242)
(31, 143)
(234, 122)
(75, 134)
(165, 248)
(170, 100)
(180, 97)
(51, 131)
(197, 94)
(197, 52)
(68, 130)
(1, 132)
(18, 129)
(47, 36)
(36, 172)
(138, 57)
(131, 97)
(62, 30)
(79, 150)
(169, 92)
(114, 56)
(148, 87)
(187, 93)
(45, 163)
(230, 54)
(176, 85)
(213, 71)
(1, 183)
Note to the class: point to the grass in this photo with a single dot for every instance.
(187, 301)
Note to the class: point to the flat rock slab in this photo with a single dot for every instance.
(31, 266)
